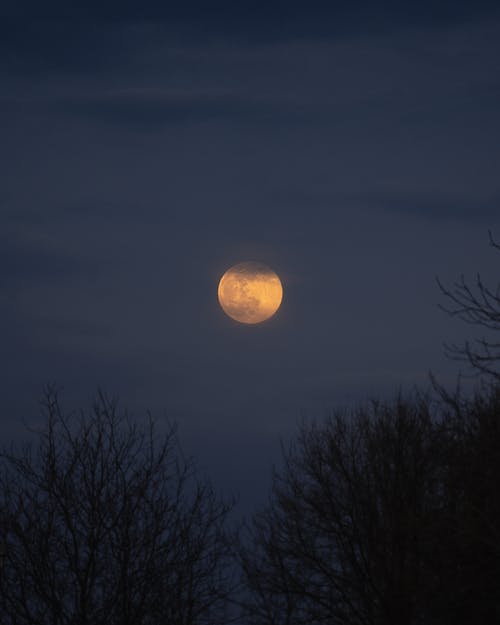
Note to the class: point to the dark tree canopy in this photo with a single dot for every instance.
(104, 523)
(388, 515)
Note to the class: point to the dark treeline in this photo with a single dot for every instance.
(104, 523)
(385, 514)
(390, 514)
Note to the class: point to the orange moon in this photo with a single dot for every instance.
(250, 292)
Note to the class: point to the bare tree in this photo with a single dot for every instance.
(382, 516)
(342, 539)
(479, 306)
(104, 523)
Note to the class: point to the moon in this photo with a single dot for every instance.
(250, 292)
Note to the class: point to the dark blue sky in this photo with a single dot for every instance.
(353, 147)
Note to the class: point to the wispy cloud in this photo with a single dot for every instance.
(433, 206)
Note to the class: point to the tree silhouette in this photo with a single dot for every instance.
(105, 523)
(470, 548)
(479, 306)
(385, 515)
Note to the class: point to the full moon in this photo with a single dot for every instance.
(250, 292)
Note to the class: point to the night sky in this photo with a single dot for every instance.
(147, 147)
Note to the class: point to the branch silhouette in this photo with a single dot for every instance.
(479, 306)
(105, 523)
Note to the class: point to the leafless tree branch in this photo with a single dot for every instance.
(479, 306)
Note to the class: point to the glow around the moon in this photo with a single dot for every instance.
(250, 292)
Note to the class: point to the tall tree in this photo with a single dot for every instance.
(382, 516)
(105, 523)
